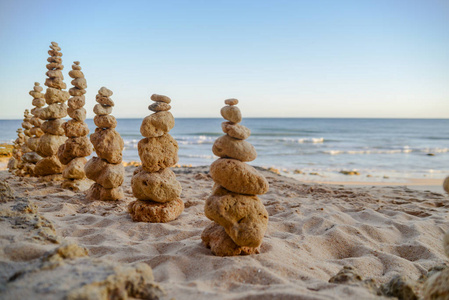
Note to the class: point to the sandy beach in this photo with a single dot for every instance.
(314, 231)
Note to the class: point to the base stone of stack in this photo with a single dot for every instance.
(49, 165)
(75, 169)
(160, 186)
(75, 185)
(238, 177)
(158, 152)
(106, 174)
(220, 244)
(51, 178)
(154, 212)
(97, 192)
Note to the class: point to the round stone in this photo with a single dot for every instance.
(56, 83)
(53, 127)
(236, 131)
(160, 186)
(231, 101)
(48, 166)
(238, 177)
(154, 212)
(76, 92)
(108, 144)
(76, 74)
(106, 174)
(55, 74)
(97, 192)
(35, 94)
(159, 106)
(76, 102)
(38, 102)
(104, 100)
(232, 114)
(103, 91)
(158, 152)
(73, 128)
(75, 169)
(106, 121)
(77, 114)
(228, 147)
(53, 95)
(74, 147)
(157, 124)
(49, 144)
(160, 98)
(53, 111)
(80, 83)
(102, 110)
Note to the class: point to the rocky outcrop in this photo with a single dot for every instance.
(154, 184)
(106, 169)
(240, 218)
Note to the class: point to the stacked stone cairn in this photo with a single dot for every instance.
(53, 137)
(240, 218)
(446, 184)
(15, 162)
(29, 157)
(106, 170)
(154, 184)
(77, 146)
(38, 103)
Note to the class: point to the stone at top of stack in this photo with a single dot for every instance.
(106, 170)
(75, 149)
(240, 218)
(154, 184)
(53, 113)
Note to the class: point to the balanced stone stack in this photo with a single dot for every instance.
(29, 157)
(154, 184)
(53, 137)
(15, 163)
(106, 170)
(75, 149)
(240, 218)
(38, 103)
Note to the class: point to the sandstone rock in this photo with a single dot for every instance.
(228, 147)
(108, 144)
(157, 124)
(74, 147)
(154, 212)
(102, 109)
(53, 95)
(56, 83)
(75, 168)
(54, 59)
(105, 92)
(53, 111)
(36, 95)
(215, 238)
(54, 127)
(76, 66)
(80, 83)
(32, 143)
(160, 98)
(49, 144)
(103, 100)
(37, 87)
(54, 53)
(55, 74)
(106, 174)
(31, 157)
(243, 217)
(38, 102)
(238, 177)
(73, 128)
(77, 114)
(26, 125)
(158, 152)
(76, 73)
(159, 106)
(231, 101)
(446, 186)
(36, 121)
(232, 114)
(48, 166)
(77, 102)
(76, 92)
(106, 121)
(97, 192)
(54, 65)
(159, 186)
(236, 131)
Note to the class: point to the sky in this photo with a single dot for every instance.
(340, 59)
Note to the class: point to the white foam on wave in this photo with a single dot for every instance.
(304, 140)
(406, 149)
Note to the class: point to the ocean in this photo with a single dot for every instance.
(379, 149)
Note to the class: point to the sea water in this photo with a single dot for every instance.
(401, 148)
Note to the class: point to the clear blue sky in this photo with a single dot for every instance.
(379, 58)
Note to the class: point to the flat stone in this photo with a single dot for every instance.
(220, 244)
(31, 157)
(53, 111)
(77, 102)
(74, 147)
(231, 113)
(243, 217)
(106, 174)
(160, 98)
(55, 74)
(37, 87)
(54, 66)
(77, 114)
(97, 192)
(54, 59)
(56, 83)
(53, 95)
(48, 166)
(35, 94)
(80, 83)
(154, 212)
(76, 74)
(236, 131)
(157, 124)
(36, 131)
(158, 152)
(73, 128)
(54, 127)
(49, 144)
(104, 100)
(105, 92)
(228, 147)
(238, 177)
(159, 106)
(160, 186)
(33, 143)
(76, 92)
(38, 102)
(231, 101)
(75, 169)
(106, 121)
(108, 144)
(37, 122)
(102, 110)
(54, 53)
